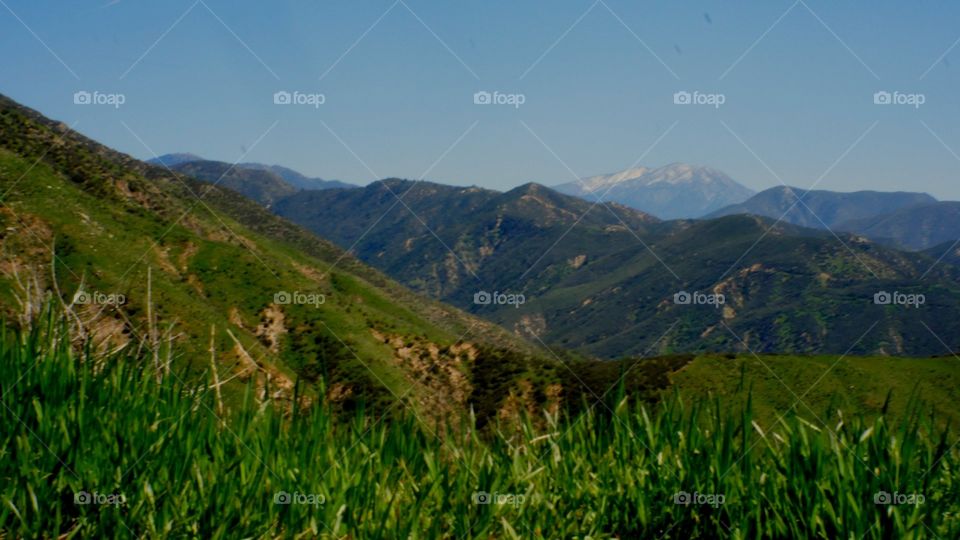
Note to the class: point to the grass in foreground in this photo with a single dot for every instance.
(97, 447)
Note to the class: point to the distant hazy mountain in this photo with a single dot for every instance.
(290, 176)
(265, 187)
(174, 159)
(674, 191)
(915, 227)
(297, 179)
(821, 209)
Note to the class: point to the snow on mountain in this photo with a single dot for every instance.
(673, 191)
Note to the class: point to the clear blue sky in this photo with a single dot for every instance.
(403, 94)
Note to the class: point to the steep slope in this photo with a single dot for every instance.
(143, 258)
(670, 192)
(590, 283)
(821, 208)
(914, 228)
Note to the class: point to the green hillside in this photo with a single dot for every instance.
(141, 258)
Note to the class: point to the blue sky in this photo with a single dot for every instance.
(597, 79)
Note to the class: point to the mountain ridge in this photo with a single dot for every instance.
(601, 279)
(822, 208)
(294, 178)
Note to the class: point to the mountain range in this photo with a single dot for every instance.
(602, 278)
(670, 192)
(905, 220)
(606, 280)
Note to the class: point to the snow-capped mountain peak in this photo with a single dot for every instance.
(677, 190)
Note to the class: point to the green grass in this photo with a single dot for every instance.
(72, 423)
(821, 387)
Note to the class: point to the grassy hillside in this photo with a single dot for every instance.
(141, 257)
